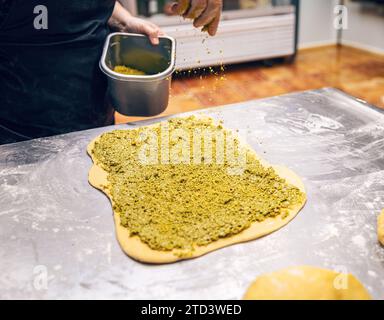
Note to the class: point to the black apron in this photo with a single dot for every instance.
(50, 81)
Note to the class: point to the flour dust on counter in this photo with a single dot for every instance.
(44, 187)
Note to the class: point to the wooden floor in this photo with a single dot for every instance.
(354, 71)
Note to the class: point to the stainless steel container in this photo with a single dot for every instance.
(134, 95)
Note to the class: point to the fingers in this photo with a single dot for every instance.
(196, 9)
(181, 7)
(159, 32)
(213, 26)
(147, 28)
(206, 13)
(203, 20)
(210, 18)
(153, 32)
(155, 26)
(173, 8)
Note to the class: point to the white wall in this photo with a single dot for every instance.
(316, 23)
(365, 29)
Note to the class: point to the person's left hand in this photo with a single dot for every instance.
(123, 21)
(137, 25)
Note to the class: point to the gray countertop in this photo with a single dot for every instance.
(57, 234)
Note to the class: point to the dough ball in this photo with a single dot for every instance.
(306, 283)
(380, 227)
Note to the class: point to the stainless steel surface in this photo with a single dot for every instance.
(54, 224)
(134, 95)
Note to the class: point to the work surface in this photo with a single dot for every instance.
(57, 234)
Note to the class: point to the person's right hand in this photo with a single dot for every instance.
(205, 13)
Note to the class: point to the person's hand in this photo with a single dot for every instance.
(205, 13)
(137, 25)
(123, 21)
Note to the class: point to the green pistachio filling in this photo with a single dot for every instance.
(178, 202)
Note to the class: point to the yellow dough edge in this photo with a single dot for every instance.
(380, 227)
(306, 283)
(140, 251)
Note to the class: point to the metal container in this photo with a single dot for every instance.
(134, 95)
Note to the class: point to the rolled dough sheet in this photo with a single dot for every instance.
(306, 283)
(380, 227)
(138, 250)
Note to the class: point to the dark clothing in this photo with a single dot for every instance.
(50, 81)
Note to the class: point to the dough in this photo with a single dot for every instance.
(380, 227)
(306, 283)
(135, 248)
